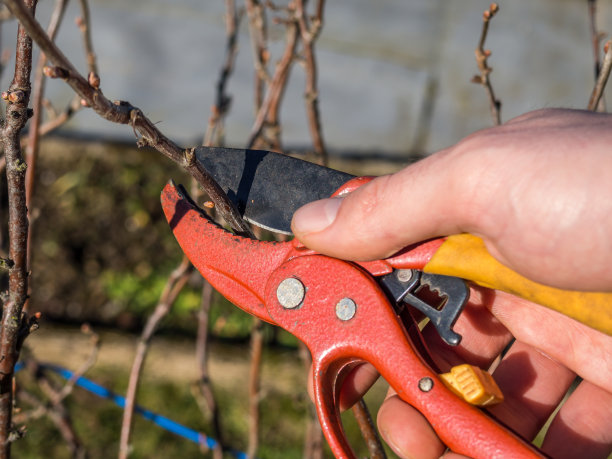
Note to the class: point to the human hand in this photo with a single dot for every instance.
(538, 191)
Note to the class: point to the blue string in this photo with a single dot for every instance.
(161, 421)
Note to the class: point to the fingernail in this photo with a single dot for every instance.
(315, 216)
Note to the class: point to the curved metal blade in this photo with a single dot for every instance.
(269, 187)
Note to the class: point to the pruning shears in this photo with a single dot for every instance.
(348, 313)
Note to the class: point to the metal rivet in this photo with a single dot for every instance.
(404, 275)
(290, 293)
(345, 309)
(426, 384)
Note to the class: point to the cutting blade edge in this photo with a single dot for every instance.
(267, 187)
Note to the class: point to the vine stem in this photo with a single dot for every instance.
(123, 112)
(173, 287)
(482, 56)
(602, 79)
(14, 323)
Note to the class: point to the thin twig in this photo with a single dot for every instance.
(13, 322)
(204, 385)
(268, 113)
(59, 119)
(370, 435)
(604, 74)
(32, 147)
(596, 38)
(313, 434)
(258, 30)
(173, 287)
(482, 56)
(223, 100)
(94, 339)
(309, 31)
(84, 24)
(254, 380)
(122, 112)
(58, 414)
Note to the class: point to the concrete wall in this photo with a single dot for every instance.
(394, 74)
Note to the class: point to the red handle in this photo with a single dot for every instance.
(338, 310)
(348, 320)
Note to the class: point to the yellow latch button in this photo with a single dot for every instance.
(473, 385)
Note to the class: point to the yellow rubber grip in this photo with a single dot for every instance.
(466, 256)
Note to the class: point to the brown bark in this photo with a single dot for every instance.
(14, 325)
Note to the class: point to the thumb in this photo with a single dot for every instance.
(383, 216)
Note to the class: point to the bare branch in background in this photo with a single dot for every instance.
(14, 322)
(596, 38)
(254, 383)
(368, 430)
(602, 80)
(268, 114)
(482, 56)
(84, 24)
(122, 112)
(309, 31)
(58, 415)
(173, 287)
(53, 406)
(32, 146)
(313, 434)
(214, 132)
(259, 42)
(204, 390)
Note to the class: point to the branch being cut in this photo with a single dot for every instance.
(482, 56)
(122, 112)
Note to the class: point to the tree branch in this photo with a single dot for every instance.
(254, 383)
(122, 112)
(173, 287)
(204, 386)
(309, 31)
(32, 146)
(269, 110)
(14, 325)
(364, 419)
(259, 44)
(223, 100)
(602, 80)
(482, 56)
